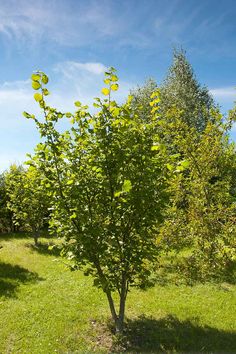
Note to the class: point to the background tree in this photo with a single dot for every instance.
(27, 198)
(107, 178)
(6, 216)
(181, 89)
(141, 99)
(203, 209)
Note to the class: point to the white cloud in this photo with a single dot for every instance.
(83, 82)
(67, 23)
(224, 92)
(71, 68)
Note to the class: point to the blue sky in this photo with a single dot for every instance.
(73, 41)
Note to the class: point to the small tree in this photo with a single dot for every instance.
(6, 216)
(27, 198)
(106, 177)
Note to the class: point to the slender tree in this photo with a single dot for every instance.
(27, 198)
(107, 178)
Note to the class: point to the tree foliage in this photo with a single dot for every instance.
(141, 99)
(203, 208)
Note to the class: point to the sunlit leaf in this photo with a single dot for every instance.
(105, 91)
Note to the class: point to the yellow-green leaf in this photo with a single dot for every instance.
(127, 186)
(105, 91)
(27, 115)
(35, 77)
(38, 97)
(170, 167)
(44, 79)
(45, 92)
(114, 87)
(107, 81)
(155, 147)
(36, 85)
(114, 78)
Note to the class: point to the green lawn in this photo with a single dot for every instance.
(46, 308)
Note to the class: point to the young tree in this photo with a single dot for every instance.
(27, 198)
(107, 178)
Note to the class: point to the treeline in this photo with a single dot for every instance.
(131, 182)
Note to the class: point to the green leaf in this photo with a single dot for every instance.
(185, 163)
(26, 115)
(77, 104)
(106, 81)
(117, 194)
(127, 186)
(170, 167)
(35, 77)
(46, 92)
(114, 87)
(38, 97)
(44, 79)
(105, 91)
(36, 85)
(114, 78)
(180, 169)
(155, 147)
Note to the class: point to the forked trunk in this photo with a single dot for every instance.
(119, 319)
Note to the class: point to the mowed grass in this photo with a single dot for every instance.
(46, 308)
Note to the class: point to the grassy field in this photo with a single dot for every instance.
(46, 308)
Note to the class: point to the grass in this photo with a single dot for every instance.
(46, 308)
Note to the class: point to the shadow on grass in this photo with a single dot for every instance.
(43, 248)
(24, 234)
(148, 335)
(12, 276)
(14, 235)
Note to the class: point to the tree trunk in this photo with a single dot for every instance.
(123, 293)
(36, 237)
(118, 320)
(112, 307)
